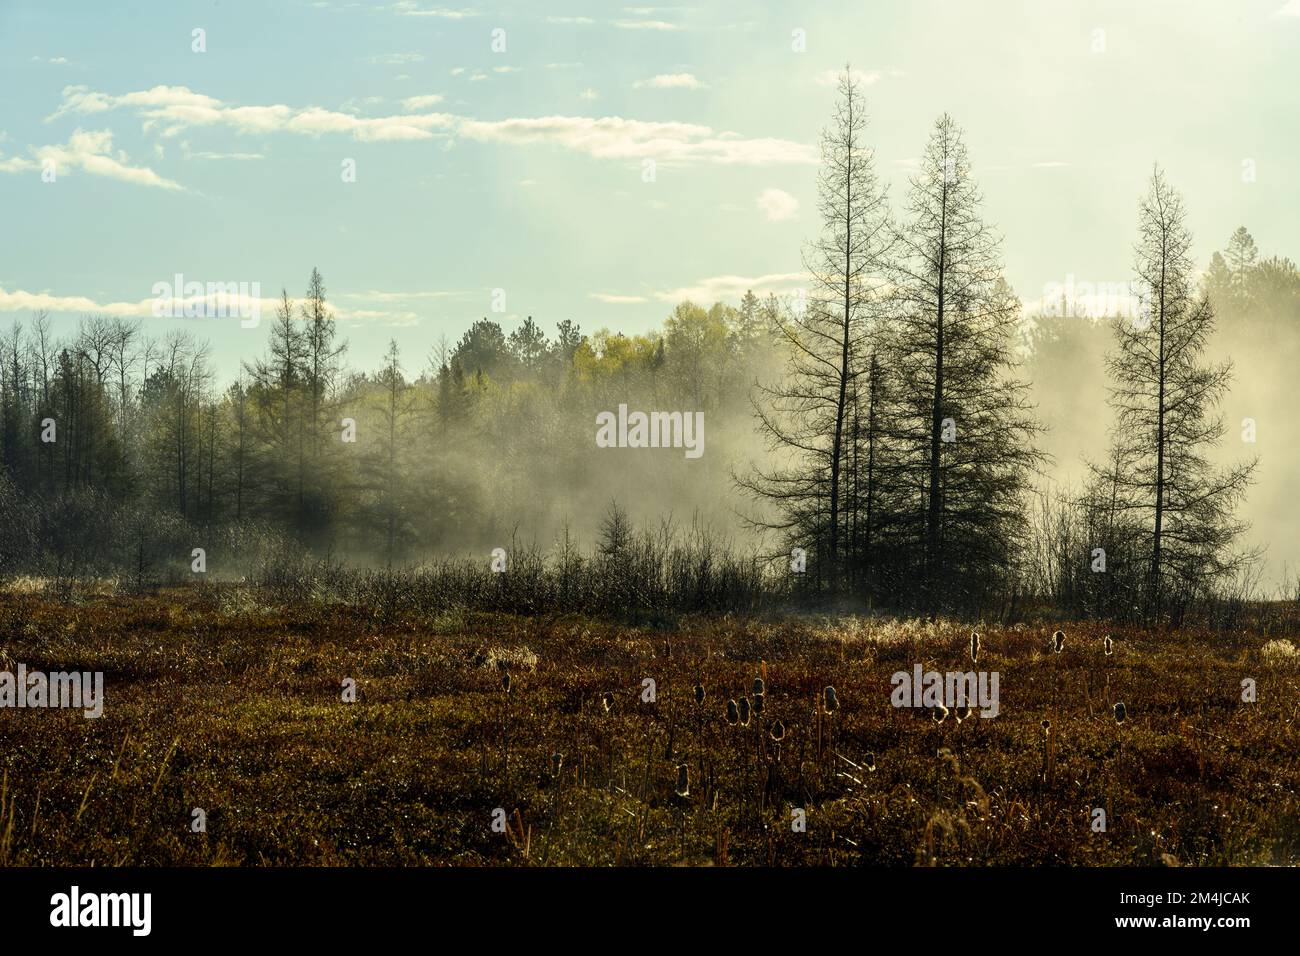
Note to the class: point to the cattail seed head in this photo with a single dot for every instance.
(683, 780)
(1120, 712)
(1108, 644)
(744, 711)
(733, 714)
(974, 647)
(1047, 727)
(759, 686)
(758, 703)
(778, 731)
(939, 714)
(1058, 640)
(832, 702)
(699, 693)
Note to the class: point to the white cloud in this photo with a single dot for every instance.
(92, 153)
(732, 288)
(357, 104)
(23, 301)
(610, 299)
(415, 103)
(645, 25)
(589, 94)
(409, 8)
(16, 164)
(777, 204)
(572, 21)
(671, 81)
(189, 153)
(173, 110)
(1292, 9)
(613, 137)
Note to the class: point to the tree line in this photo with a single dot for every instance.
(899, 444)
(148, 455)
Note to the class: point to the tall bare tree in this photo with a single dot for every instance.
(807, 416)
(1165, 395)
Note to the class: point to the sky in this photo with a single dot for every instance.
(502, 152)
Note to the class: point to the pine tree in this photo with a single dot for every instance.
(808, 415)
(1164, 396)
(962, 419)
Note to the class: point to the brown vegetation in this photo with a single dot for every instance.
(217, 700)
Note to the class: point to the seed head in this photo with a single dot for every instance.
(759, 686)
(699, 693)
(974, 647)
(939, 714)
(744, 711)
(758, 703)
(777, 732)
(1120, 712)
(1108, 644)
(1058, 639)
(683, 780)
(831, 701)
(733, 715)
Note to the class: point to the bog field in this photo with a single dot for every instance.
(238, 730)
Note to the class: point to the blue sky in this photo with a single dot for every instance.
(523, 169)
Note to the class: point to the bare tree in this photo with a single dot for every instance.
(1165, 397)
(807, 415)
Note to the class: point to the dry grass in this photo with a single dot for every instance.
(216, 699)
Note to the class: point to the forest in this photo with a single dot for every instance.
(900, 435)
